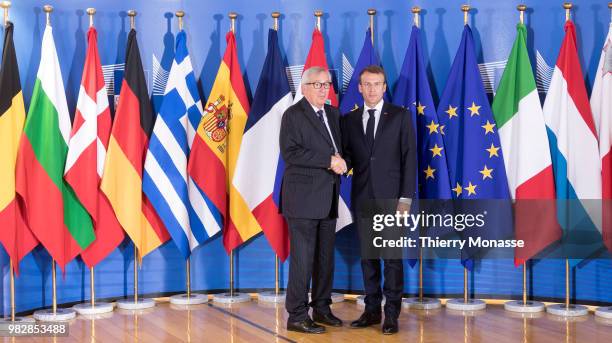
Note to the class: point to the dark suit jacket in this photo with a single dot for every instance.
(309, 189)
(390, 168)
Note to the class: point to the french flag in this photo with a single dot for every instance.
(573, 144)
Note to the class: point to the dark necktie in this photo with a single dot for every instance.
(370, 129)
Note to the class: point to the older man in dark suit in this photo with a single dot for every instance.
(380, 146)
(311, 147)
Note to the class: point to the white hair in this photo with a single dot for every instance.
(312, 71)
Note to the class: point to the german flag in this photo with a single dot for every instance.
(127, 147)
(15, 236)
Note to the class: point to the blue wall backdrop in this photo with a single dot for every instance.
(343, 25)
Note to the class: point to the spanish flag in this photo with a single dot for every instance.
(122, 176)
(15, 236)
(216, 146)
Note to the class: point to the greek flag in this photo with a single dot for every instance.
(186, 212)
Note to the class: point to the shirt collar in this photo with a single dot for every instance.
(317, 109)
(378, 107)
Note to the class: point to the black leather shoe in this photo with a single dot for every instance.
(305, 326)
(390, 326)
(366, 319)
(327, 319)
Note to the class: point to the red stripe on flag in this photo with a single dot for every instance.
(535, 213)
(316, 58)
(127, 125)
(16, 237)
(274, 226)
(43, 206)
(84, 180)
(209, 174)
(569, 64)
(606, 177)
(231, 237)
(154, 220)
(231, 60)
(109, 233)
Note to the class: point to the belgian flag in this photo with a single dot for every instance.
(15, 236)
(123, 169)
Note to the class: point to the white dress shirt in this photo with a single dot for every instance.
(326, 125)
(365, 116)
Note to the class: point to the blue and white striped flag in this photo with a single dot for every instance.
(186, 212)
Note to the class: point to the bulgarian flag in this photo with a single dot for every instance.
(216, 146)
(601, 104)
(53, 212)
(524, 141)
(87, 152)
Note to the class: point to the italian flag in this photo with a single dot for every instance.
(524, 141)
(51, 209)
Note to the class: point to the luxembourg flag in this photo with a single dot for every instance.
(601, 103)
(573, 143)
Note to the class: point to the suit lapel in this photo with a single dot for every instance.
(359, 126)
(311, 116)
(333, 125)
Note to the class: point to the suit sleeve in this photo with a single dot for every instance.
(293, 149)
(409, 157)
(347, 153)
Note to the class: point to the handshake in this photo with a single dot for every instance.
(338, 165)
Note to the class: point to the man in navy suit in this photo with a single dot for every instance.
(379, 144)
(311, 147)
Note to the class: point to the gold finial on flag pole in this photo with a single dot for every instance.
(275, 15)
(568, 6)
(5, 5)
(416, 10)
(521, 8)
(180, 15)
(233, 16)
(318, 14)
(372, 13)
(132, 15)
(90, 12)
(48, 9)
(465, 9)
(610, 7)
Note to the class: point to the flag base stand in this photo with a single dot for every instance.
(564, 310)
(271, 297)
(525, 315)
(60, 315)
(97, 308)
(191, 299)
(463, 305)
(524, 307)
(141, 304)
(417, 303)
(335, 297)
(229, 298)
(17, 320)
(105, 315)
(361, 301)
(604, 312)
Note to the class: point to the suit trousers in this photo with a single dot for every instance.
(312, 256)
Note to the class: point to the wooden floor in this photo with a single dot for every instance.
(252, 322)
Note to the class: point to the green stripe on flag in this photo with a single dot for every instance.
(516, 82)
(50, 149)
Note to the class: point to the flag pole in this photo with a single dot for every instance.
(318, 14)
(372, 13)
(416, 10)
(232, 16)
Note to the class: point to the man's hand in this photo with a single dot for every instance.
(338, 165)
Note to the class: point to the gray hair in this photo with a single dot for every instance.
(312, 71)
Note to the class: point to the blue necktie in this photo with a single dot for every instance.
(370, 129)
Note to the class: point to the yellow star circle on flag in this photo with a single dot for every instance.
(429, 172)
(458, 190)
(420, 109)
(452, 111)
(488, 127)
(436, 151)
(492, 151)
(433, 127)
(474, 109)
(471, 188)
(486, 172)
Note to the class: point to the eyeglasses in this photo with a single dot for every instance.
(318, 85)
(372, 84)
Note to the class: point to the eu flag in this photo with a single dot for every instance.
(412, 91)
(473, 149)
(353, 99)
